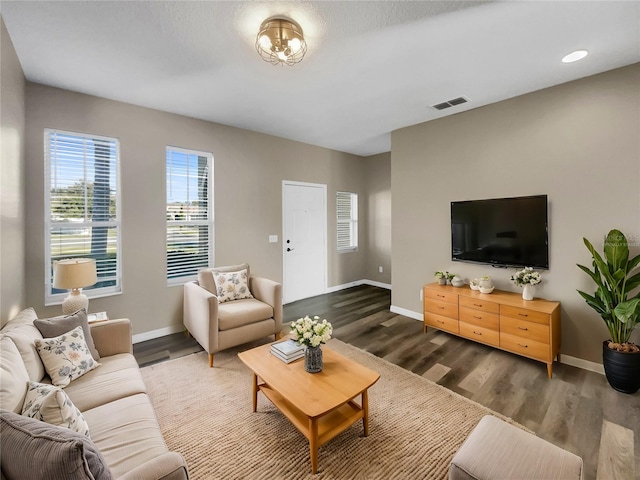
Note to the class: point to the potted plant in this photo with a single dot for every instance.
(616, 277)
(442, 277)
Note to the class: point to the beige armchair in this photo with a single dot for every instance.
(217, 326)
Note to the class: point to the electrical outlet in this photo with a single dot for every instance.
(380, 269)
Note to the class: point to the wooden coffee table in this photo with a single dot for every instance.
(320, 405)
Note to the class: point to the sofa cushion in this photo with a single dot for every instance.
(56, 326)
(13, 376)
(242, 312)
(127, 433)
(205, 275)
(118, 377)
(25, 317)
(66, 357)
(36, 450)
(496, 449)
(232, 286)
(24, 337)
(52, 405)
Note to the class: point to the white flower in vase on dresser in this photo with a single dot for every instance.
(526, 278)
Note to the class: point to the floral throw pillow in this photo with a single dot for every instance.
(232, 285)
(66, 357)
(52, 405)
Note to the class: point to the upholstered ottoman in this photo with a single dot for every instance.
(497, 450)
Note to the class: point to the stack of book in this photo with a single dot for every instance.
(287, 351)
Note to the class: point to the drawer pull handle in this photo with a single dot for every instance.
(523, 328)
(477, 333)
(440, 321)
(479, 318)
(523, 346)
(523, 314)
(441, 308)
(441, 296)
(477, 304)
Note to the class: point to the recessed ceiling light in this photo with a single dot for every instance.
(574, 56)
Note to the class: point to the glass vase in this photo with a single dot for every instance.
(313, 359)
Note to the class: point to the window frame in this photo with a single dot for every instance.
(352, 222)
(117, 289)
(181, 280)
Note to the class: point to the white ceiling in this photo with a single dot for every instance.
(372, 66)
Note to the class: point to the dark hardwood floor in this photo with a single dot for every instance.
(576, 409)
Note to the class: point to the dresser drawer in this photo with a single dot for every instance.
(526, 347)
(441, 308)
(480, 334)
(480, 318)
(477, 304)
(441, 295)
(525, 329)
(441, 323)
(524, 314)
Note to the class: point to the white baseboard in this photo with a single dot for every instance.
(406, 312)
(564, 359)
(161, 332)
(373, 283)
(583, 364)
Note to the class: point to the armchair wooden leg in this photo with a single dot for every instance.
(278, 335)
(210, 360)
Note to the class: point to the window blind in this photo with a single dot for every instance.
(189, 213)
(82, 203)
(347, 220)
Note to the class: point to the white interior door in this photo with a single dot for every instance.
(304, 240)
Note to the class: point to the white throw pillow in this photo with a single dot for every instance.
(232, 285)
(66, 357)
(52, 405)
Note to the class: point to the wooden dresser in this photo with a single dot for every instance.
(499, 319)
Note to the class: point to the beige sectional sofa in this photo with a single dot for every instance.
(112, 399)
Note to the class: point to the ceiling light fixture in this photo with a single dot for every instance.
(280, 41)
(574, 56)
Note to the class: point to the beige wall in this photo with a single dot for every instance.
(249, 169)
(12, 231)
(577, 142)
(378, 216)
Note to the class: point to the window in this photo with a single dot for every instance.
(82, 208)
(189, 213)
(347, 214)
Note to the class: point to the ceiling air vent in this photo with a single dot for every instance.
(450, 103)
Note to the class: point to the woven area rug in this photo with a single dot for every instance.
(415, 425)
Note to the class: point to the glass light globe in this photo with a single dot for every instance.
(265, 42)
(295, 45)
(575, 56)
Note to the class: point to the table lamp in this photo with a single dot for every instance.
(74, 274)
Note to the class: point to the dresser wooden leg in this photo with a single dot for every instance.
(550, 369)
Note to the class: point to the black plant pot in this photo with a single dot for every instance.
(621, 368)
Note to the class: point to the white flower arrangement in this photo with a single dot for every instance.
(526, 276)
(311, 331)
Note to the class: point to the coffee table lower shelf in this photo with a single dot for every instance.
(319, 430)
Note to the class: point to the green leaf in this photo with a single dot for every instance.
(633, 282)
(633, 263)
(594, 303)
(594, 275)
(628, 311)
(616, 250)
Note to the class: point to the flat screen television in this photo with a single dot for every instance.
(505, 232)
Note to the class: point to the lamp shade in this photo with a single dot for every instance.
(74, 273)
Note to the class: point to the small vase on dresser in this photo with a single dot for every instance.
(527, 291)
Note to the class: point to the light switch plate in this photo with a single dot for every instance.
(273, 238)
